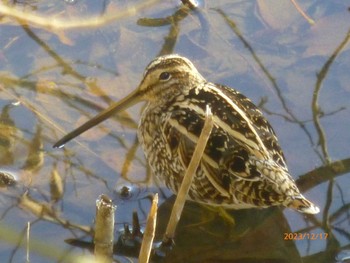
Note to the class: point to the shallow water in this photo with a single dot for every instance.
(52, 80)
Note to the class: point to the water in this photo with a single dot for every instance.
(52, 80)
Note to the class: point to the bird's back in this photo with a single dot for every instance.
(243, 165)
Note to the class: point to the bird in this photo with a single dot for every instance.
(243, 165)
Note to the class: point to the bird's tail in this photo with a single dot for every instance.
(301, 204)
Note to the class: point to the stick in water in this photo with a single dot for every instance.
(188, 177)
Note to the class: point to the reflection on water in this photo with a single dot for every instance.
(50, 79)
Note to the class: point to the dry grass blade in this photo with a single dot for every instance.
(190, 172)
(104, 229)
(56, 185)
(45, 211)
(149, 233)
(301, 11)
(52, 23)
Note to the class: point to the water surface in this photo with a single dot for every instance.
(53, 79)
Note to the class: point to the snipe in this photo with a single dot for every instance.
(243, 165)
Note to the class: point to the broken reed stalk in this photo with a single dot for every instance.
(190, 3)
(148, 236)
(104, 229)
(187, 180)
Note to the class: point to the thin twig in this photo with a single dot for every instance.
(187, 180)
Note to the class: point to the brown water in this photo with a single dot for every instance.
(52, 80)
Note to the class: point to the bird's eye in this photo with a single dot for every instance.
(164, 76)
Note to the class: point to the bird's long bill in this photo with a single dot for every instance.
(126, 102)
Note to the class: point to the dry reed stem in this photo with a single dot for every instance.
(28, 244)
(53, 23)
(187, 180)
(104, 229)
(147, 242)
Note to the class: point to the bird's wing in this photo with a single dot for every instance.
(240, 139)
(259, 123)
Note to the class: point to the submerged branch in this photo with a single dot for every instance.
(314, 104)
(323, 174)
(266, 72)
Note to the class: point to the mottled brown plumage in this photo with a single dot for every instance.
(243, 165)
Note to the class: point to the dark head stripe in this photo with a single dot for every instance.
(165, 62)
